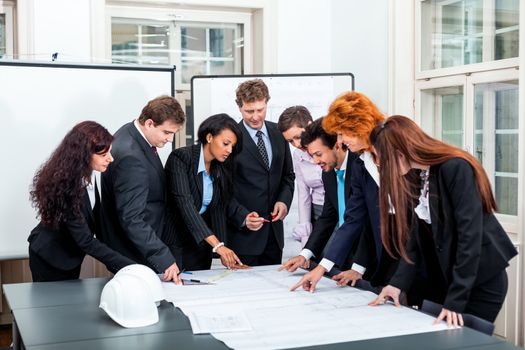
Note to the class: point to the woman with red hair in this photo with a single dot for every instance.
(450, 229)
(352, 116)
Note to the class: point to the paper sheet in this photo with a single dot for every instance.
(282, 319)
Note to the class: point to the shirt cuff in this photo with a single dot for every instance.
(327, 264)
(306, 253)
(359, 268)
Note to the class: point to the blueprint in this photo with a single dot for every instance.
(255, 309)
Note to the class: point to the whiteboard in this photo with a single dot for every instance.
(216, 94)
(39, 104)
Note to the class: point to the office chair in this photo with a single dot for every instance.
(470, 321)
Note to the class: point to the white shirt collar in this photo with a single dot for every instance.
(370, 166)
(344, 164)
(136, 123)
(252, 131)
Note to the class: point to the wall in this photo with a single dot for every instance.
(50, 26)
(303, 37)
(360, 45)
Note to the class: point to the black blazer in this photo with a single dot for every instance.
(470, 244)
(65, 248)
(327, 221)
(134, 201)
(185, 226)
(361, 218)
(257, 189)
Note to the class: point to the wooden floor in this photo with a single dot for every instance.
(5, 336)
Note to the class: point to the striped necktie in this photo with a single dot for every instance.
(262, 149)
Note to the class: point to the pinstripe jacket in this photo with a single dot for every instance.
(185, 226)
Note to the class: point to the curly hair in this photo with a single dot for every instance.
(251, 91)
(353, 113)
(57, 189)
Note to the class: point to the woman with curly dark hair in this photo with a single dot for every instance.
(65, 196)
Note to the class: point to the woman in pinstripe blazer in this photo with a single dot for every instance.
(199, 182)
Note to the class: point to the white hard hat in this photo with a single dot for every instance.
(148, 276)
(128, 301)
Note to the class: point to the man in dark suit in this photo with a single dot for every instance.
(134, 187)
(263, 181)
(333, 159)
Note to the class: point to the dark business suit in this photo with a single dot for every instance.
(362, 220)
(324, 227)
(186, 228)
(57, 254)
(134, 201)
(471, 248)
(257, 188)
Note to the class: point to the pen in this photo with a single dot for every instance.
(196, 281)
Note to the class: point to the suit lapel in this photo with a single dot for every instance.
(195, 155)
(250, 146)
(330, 181)
(87, 205)
(273, 135)
(348, 173)
(434, 202)
(152, 158)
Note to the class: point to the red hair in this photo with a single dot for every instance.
(353, 113)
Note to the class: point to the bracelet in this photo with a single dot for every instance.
(220, 244)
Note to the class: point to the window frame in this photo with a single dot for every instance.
(467, 68)
(468, 82)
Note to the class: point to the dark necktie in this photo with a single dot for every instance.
(154, 149)
(262, 149)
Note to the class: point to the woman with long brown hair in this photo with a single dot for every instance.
(66, 198)
(444, 222)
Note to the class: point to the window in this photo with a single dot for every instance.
(444, 115)
(496, 139)
(206, 43)
(462, 32)
(196, 41)
(467, 88)
(3, 48)
(6, 29)
(479, 113)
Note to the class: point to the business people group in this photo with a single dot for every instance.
(228, 194)
(450, 237)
